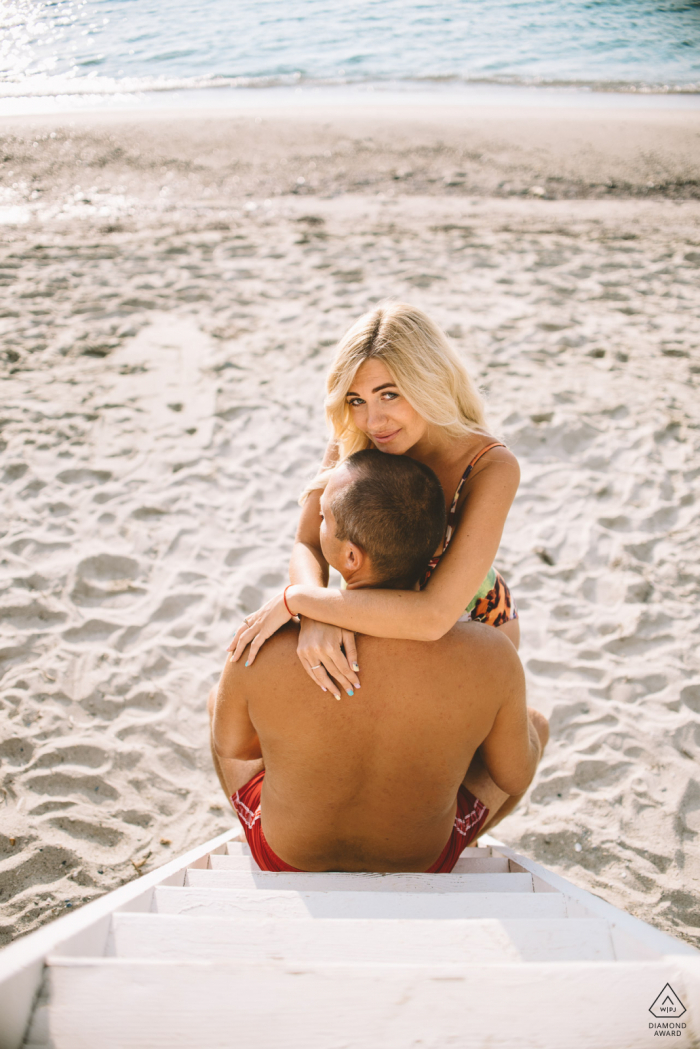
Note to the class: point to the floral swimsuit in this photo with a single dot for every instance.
(493, 602)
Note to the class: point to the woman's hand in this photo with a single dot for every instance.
(323, 659)
(256, 628)
(319, 646)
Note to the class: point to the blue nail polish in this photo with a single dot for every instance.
(350, 692)
(246, 662)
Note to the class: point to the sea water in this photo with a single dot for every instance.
(136, 47)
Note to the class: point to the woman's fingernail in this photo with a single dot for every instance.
(356, 668)
(246, 662)
(325, 689)
(336, 696)
(350, 692)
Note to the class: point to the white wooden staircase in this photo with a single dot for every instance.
(210, 952)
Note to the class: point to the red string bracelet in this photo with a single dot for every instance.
(284, 598)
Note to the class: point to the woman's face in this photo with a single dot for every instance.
(380, 411)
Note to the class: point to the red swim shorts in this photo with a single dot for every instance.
(470, 818)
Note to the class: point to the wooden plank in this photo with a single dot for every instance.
(478, 850)
(237, 862)
(471, 865)
(22, 962)
(85, 930)
(167, 937)
(289, 904)
(632, 938)
(562, 940)
(482, 865)
(117, 1004)
(237, 848)
(341, 882)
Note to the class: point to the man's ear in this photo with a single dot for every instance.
(353, 558)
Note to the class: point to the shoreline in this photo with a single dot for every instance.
(126, 163)
(232, 99)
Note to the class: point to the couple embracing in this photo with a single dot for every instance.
(433, 742)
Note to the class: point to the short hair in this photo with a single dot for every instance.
(394, 509)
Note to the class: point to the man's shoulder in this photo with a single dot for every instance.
(278, 650)
(473, 645)
(281, 646)
(478, 637)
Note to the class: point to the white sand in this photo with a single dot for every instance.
(171, 297)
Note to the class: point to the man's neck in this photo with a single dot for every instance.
(366, 581)
(360, 580)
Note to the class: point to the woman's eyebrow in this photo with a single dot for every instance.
(376, 389)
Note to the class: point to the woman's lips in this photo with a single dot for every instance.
(382, 438)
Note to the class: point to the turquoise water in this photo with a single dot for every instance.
(128, 46)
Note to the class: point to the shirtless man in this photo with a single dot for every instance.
(437, 745)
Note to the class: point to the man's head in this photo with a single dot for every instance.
(383, 519)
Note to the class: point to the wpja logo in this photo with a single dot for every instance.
(667, 1005)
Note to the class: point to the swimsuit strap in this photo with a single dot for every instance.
(472, 464)
(453, 508)
(475, 460)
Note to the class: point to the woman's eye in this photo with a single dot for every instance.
(355, 402)
(390, 395)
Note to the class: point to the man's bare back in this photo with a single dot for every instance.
(371, 782)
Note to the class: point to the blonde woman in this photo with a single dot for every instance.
(397, 385)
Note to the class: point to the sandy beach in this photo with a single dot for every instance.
(173, 285)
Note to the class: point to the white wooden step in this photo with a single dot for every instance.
(470, 865)
(237, 848)
(340, 882)
(237, 862)
(161, 936)
(526, 1004)
(467, 864)
(283, 903)
(126, 1004)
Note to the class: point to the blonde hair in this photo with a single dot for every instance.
(424, 366)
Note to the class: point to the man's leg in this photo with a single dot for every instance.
(233, 774)
(479, 782)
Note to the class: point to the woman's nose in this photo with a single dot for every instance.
(376, 414)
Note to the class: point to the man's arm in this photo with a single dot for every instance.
(233, 733)
(513, 747)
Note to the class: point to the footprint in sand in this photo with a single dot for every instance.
(106, 579)
(84, 476)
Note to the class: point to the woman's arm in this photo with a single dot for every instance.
(420, 616)
(428, 615)
(307, 563)
(327, 653)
